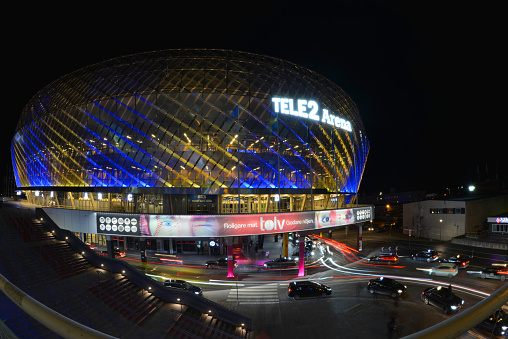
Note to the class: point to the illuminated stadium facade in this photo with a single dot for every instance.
(191, 132)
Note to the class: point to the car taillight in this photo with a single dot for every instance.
(463, 264)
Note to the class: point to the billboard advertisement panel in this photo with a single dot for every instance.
(160, 225)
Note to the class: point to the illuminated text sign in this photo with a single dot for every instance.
(309, 109)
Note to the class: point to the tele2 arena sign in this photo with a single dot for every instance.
(309, 109)
(159, 225)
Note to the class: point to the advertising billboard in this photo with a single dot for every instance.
(160, 225)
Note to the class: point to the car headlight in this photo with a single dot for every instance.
(399, 291)
(462, 302)
(265, 265)
(454, 307)
(504, 328)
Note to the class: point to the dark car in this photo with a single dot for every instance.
(118, 253)
(307, 289)
(280, 263)
(460, 260)
(495, 272)
(386, 286)
(428, 255)
(496, 324)
(183, 285)
(385, 258)
(222, 262)
(443, 298)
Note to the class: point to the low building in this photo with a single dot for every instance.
(449, 218)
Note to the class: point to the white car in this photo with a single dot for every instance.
(445, 269)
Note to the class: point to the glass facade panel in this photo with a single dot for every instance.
(188, 118)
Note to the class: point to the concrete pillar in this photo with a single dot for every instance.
(110, 247)
(142, 248)
(301, 256)
(285, 240)
(360, 243)
(231, 262)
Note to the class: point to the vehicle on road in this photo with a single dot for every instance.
(494, 272)
(386, 286)
(444, 269)
(443, 298)
(307, 289)
(221, 262)
(183, 286)
(280, 263)
(496, 324)
(118, 253)
(460, 260)
(428, 255)
(384, 258)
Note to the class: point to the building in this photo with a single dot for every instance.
(446, 219)
(190, 132)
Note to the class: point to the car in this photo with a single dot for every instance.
(444, 269)
(384, 258)
(428, 255)
(221, 262)
(494, 272)
(280, 263)
(496, 324)
(183, 285)
(460, 260)
(307, 289)
(386, 286)
(443, 298)
(118, 253)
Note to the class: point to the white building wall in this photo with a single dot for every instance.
(73, 220)
(418, 218)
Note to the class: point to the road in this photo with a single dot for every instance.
(350, 312)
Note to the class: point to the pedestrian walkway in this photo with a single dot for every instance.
(255, 294)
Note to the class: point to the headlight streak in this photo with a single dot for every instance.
(467, 290)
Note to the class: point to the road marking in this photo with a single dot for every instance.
(258, 294)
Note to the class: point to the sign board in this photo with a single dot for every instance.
(160, 225)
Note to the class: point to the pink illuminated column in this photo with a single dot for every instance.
(301, 257)
(231, 260)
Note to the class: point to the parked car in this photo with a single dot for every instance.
(183, 285)
(496, 324)
(222, 262)
(280, 263)
(385, 258)
(445, 269)
(428, 255)
(386, 286)
(460, 260)
(307, 289)
(494, 272)
(443, 298)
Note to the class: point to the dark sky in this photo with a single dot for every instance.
(426, 77)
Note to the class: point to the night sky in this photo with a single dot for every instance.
(426, 77)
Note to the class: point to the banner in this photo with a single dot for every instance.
(121, 224)
(167, 226)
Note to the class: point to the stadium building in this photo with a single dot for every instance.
(188, 132)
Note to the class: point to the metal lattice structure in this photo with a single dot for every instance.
(188, 118)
